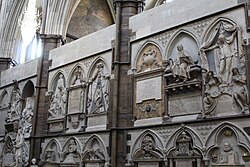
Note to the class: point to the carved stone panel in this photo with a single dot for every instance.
(227, 151)
(223, 56)
(148, 109)
(58, 99)
(185, 104)
(149, 58)
(98, 90)
(15, 107)
(76, 100)
(148, 89)
(148, 164)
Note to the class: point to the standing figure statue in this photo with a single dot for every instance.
(27, 115)
(18, 147)
(224, 44)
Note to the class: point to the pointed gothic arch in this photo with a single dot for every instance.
(94, 151)
(148, 57)
(188, 40)
(148, 146)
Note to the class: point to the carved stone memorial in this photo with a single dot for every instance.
(223, 57)
(98, 97)
(76, 101)
(57, 109)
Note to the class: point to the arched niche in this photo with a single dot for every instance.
(183, 149)
(77, 97)
(98, 88)
(28, 90)
(77, 76)
(189, 43)
(16, 104)
(149, 57)
(58, 76)
(89, 16)
(71, 152)
(148, 148)
(4, 99)
(227, 145)
(94, 152)
(58, 98)
(222, 38)
(52, 152)
(171, 143)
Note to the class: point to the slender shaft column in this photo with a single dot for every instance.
(39, 124)
(122, 83)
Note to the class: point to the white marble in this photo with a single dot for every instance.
(148, 89)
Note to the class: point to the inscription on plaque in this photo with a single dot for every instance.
(75, 98)
(8, 159)
(148, 89)
(94, 164)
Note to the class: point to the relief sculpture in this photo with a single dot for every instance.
(98, 94)
(228, 156)
(58, 99)
(223, 58)
(26, 119)
(183, 69)
(15, 105)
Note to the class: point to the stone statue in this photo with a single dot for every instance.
(147, 146)
(72, 146)
(58, 99)
(224, 51)
(98, 96)
(239, 94)
(212, 82)
(18, 147)
(27, 115)
(182, 67)
(78, 76)
(15, 107)
(228, 156)
(53, 107)
(71, 152)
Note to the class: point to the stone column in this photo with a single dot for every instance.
(122, 84)
(39, 124)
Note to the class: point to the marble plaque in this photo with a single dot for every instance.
(148, 89)
(184, 105)
(225, 106)
(75, 100)
(148, 164)
(97, 122)
(8, 159)
(184, 163)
